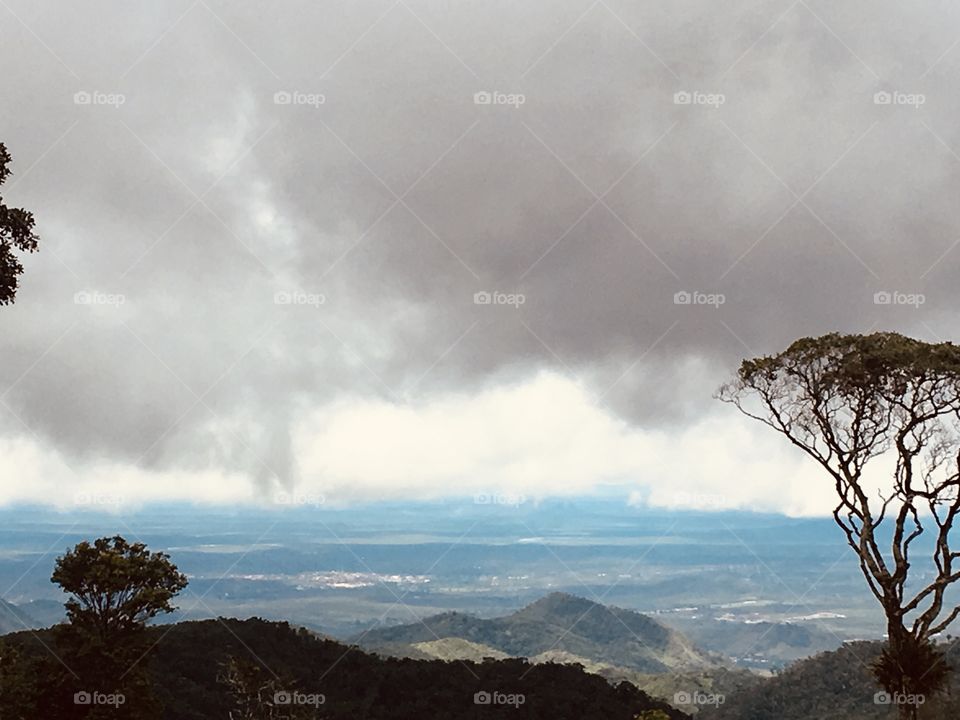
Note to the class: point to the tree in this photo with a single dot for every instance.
(846, 400)
(115, 588)
(257, 694)
(16, 232)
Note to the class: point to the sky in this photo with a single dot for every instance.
(345, 251)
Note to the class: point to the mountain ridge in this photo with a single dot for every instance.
(558, 622)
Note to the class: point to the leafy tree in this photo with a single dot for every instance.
(846, 400)
(16, 232)
(115, 588)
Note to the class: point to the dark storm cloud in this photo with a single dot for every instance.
(381, 198)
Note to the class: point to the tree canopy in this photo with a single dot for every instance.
(115, 586)
(16, 233)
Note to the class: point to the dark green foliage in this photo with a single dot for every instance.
(16, 233)
(187, 669)
(851, 363)
(18, 684)
(115, 587)
(916, 667)
(837, 685)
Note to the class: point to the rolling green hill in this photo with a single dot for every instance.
(557, 623)
(613, 643)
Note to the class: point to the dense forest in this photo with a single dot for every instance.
(210, 669)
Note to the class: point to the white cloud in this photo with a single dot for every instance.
(539, 438)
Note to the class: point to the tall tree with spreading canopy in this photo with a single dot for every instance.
(16, 233)
(115, 588)
(846, 400)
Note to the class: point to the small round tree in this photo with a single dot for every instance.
(846, 400)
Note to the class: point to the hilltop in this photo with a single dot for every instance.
(614, 643)
(557, 623)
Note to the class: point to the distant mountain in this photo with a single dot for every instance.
(619, 645)
(759, 644)
(557, 623)
(44, 612)
(14, 618)
(187, 659)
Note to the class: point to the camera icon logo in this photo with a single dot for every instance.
(482, 98)
(82, 698)
(482, 698)
(282, 697)
(882, 98)
(482, 298)
(882, 698)
(682, 98)
(282, 98)
(682, 298)
(82, 98)
(882, 298)
(682, 698)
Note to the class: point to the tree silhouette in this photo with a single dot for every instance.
(115, 588)
(16, 233)
(846, 400)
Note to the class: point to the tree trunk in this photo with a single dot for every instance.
(898, 638)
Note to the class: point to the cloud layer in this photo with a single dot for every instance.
(268, 235)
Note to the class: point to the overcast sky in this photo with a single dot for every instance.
(265, 225)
